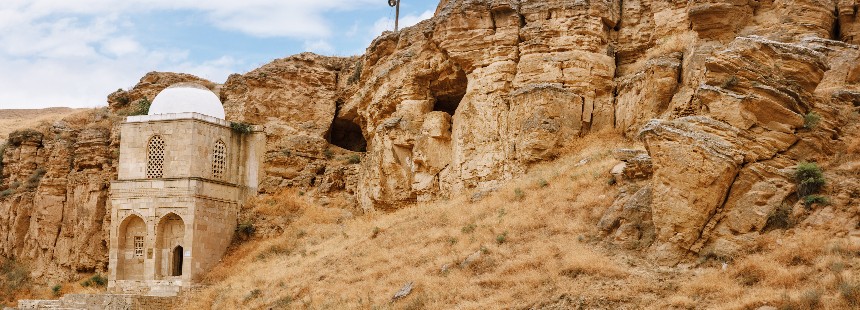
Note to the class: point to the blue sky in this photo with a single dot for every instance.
(74, 52)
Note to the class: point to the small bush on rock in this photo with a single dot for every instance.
(96, 280)
(809, 179)
(810, 200)
(241, 128)
(811, 120)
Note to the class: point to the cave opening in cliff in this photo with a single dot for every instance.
(448, 90)
(347, 134)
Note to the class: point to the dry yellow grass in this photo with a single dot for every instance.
(530, 244)
(15, 119)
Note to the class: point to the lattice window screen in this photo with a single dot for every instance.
(219, 160)
(155, 158)
(138, 246)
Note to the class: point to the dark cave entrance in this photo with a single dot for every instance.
(448, 90)
(347, 135)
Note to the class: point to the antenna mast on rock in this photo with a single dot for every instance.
(395, 4)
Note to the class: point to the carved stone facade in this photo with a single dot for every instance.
(181, 180)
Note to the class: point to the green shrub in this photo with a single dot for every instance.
(519, 194)
(354, 159)
(96, 280)
(328, 153)
(282, 303)
(851, 293)
(779, 219)
(273, 251)
(468, 229)
(253, 294)
(122, 98)
(500, 239)
(7, 192)
(356, 75)
(543, 183)
(141, 107)
(245, 229)
(241, 128)
(809, 179)
(56, 290)
(811, 120)
(810, 200)
(34, 179)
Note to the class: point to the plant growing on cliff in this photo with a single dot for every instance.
(55, 290)
(34, 179)
(2, 151)
(810, 200)
(96, 280)
(809, 179)
(354, 159)
(141, 107)
(811, 120)
(241, 128)
(356, 75)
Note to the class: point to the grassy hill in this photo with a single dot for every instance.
(532, 244)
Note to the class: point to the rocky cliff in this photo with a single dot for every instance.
(717, 91)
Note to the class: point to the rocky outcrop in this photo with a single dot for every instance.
(54, 198)
(717, 90)
(122, 101)
(295, 99)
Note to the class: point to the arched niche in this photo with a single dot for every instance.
(132, 244)
(170, 236)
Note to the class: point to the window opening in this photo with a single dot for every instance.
(219, 160)
(138, 246)
(155, 158)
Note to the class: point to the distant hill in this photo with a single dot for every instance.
(14, 119)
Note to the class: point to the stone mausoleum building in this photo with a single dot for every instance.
(183, 172)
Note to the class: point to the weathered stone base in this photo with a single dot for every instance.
(164, 288)
(101, 301)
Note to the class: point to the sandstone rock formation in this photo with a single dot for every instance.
(717, 91)
(54, 198)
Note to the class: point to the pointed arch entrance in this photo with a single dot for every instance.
(132, 233)
(170, 243)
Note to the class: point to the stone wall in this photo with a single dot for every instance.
(101, 302)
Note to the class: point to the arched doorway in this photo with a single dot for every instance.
(176, 263)
(170, 241)
(132, 236)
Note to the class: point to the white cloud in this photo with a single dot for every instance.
(321, 47)
(73, 53)
(387, 24)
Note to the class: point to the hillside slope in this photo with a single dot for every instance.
(725, 101)
(14, 119)
(532, 244)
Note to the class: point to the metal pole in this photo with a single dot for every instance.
(397, 17)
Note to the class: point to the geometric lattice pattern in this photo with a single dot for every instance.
(155, 158)
(138, 246)
(219, 160)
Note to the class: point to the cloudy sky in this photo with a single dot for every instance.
(74, 52)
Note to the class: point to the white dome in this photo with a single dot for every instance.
(187, 97)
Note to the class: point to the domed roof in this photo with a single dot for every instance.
(187, 97)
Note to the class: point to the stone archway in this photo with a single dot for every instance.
(132, 236)
(170, 236)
